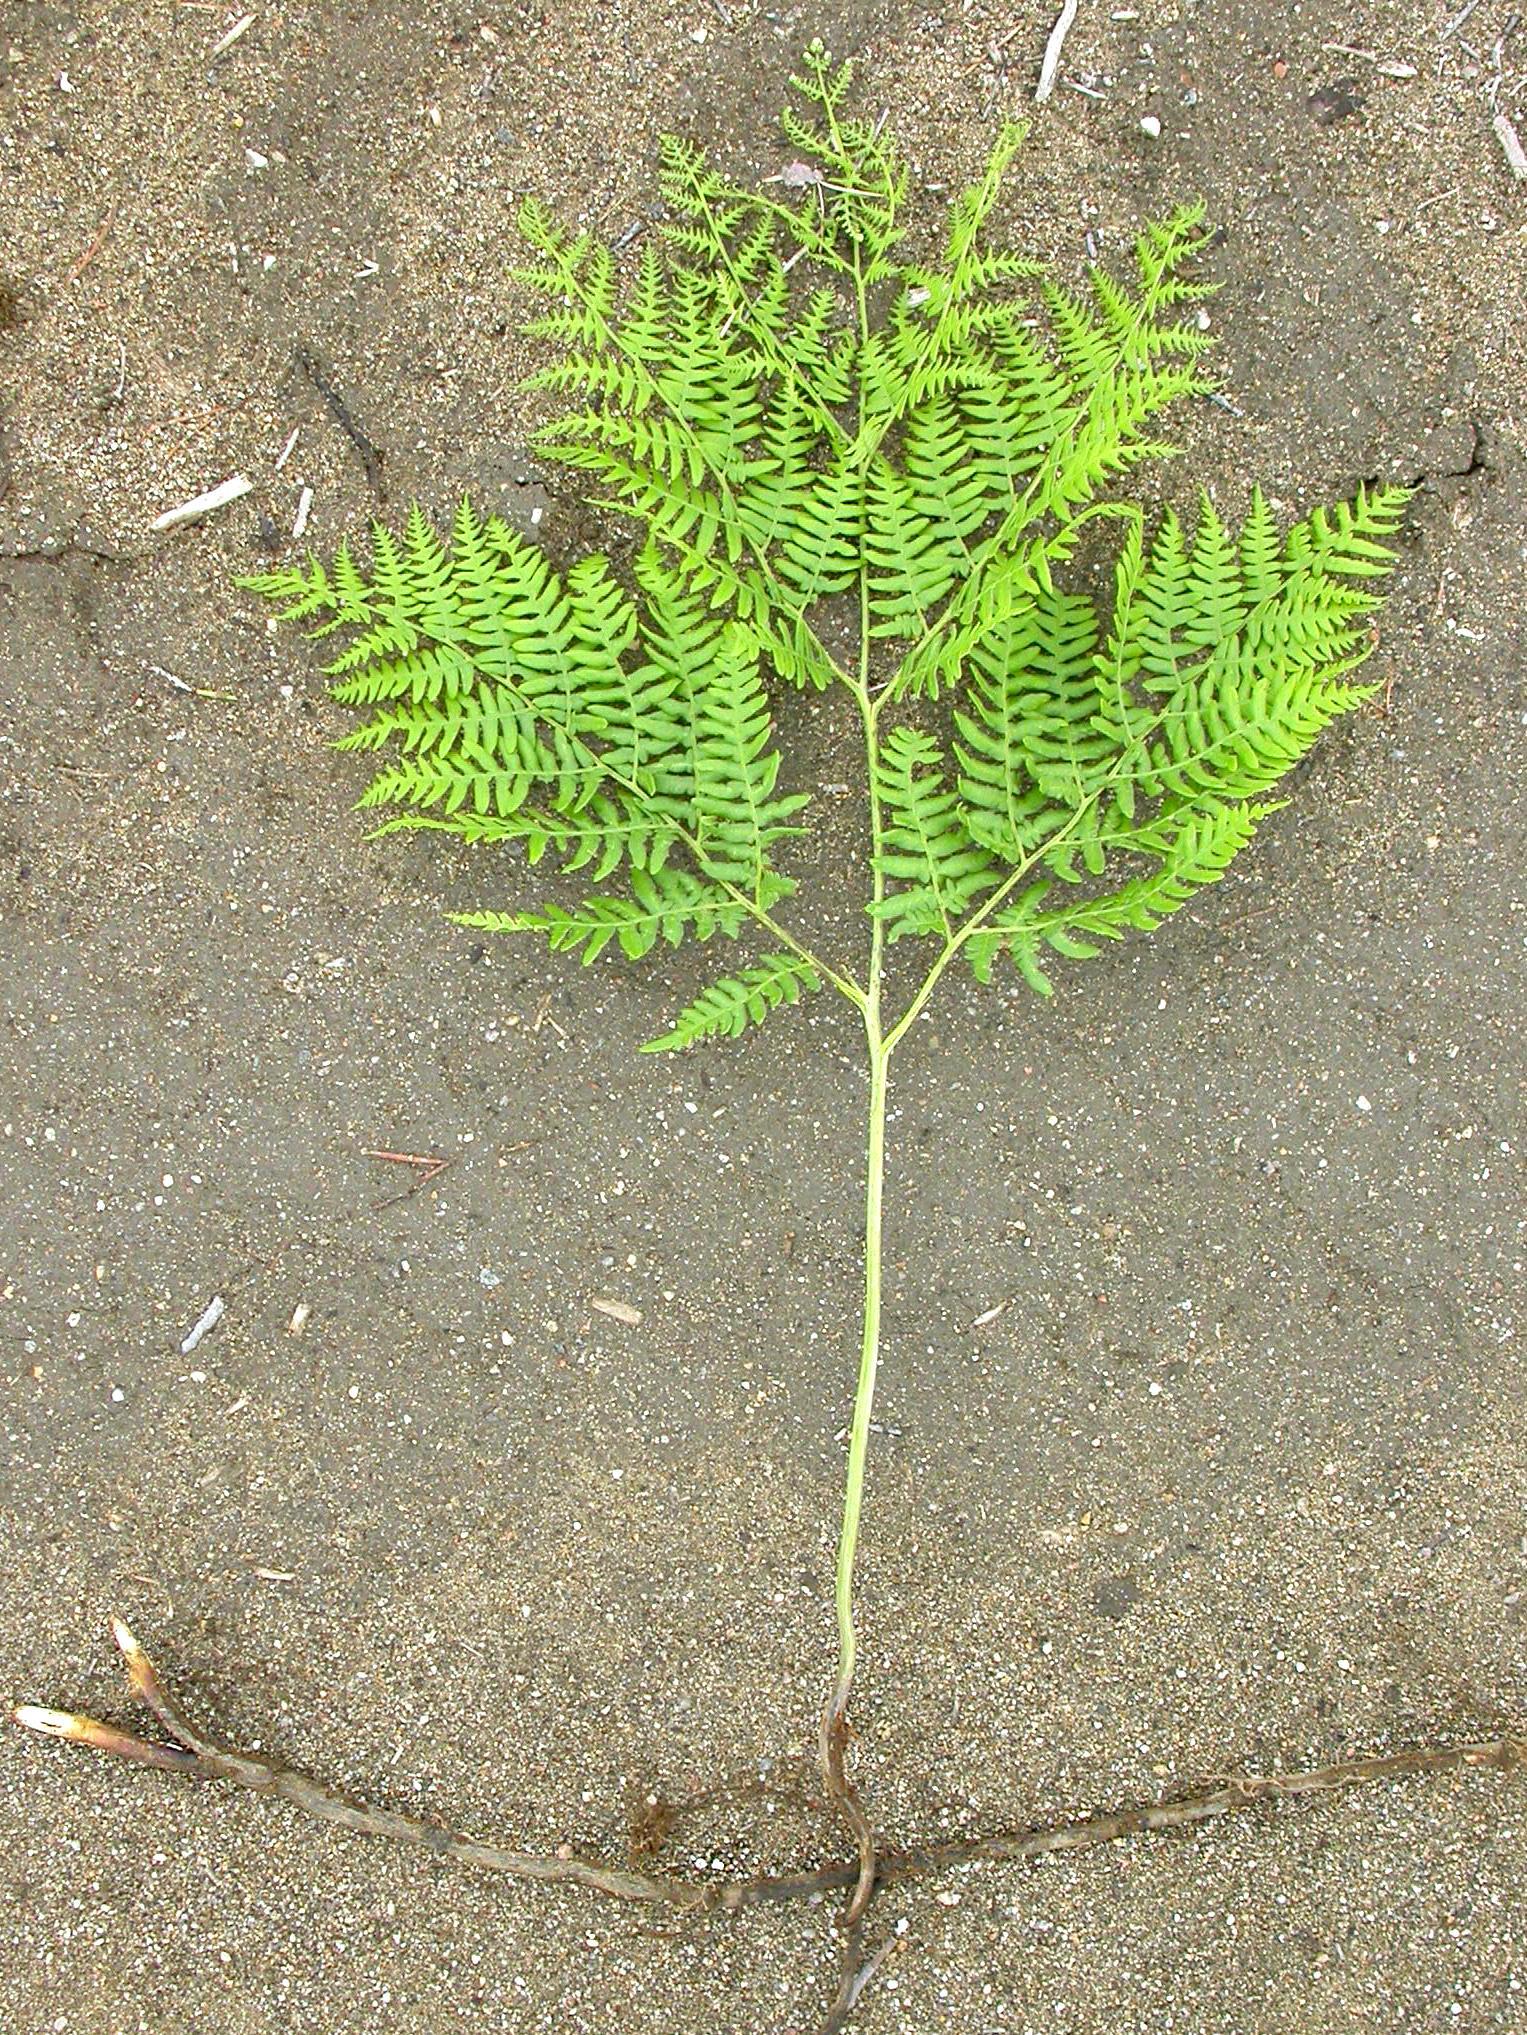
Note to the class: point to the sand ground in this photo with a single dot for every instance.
(1237, 1474)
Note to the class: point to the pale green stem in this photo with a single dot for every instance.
(874, 1184)
(869, 1362)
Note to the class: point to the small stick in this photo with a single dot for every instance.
(211, 1316)
(428, 1168)
(97, 243)
(244, 22)
(429, 1162)
(201, 692)
(1051, 63)
(544, 1017)
(1516, 155)
(203, 505)
(370, 455)
(286, 451)
(856, 1978)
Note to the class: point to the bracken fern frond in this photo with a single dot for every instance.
(881, 471)
(777, 448)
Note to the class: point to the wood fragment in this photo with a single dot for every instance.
(211, 1315)
(227, 491)
(1051, 64)
(241, 27)
(98, 241)
(430, 1163)
(618, 1310)
(1510, 141)
(200, 692)
(544, 1017)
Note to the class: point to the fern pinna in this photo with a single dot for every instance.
(798, 418)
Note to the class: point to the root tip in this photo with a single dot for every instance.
(126, 1644)
(48, 1723)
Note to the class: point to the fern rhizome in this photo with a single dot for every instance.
(820, 440)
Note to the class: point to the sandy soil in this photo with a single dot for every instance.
(1237, 1475)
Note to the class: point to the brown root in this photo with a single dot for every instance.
(194, 1754)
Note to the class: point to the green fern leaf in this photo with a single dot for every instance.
(666, 904)
(1351, 538)
(728, 1007)
(1030, 714)
(738, 816)
(1192, 852)
(926, 848)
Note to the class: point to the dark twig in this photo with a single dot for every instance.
(855, 1970)
(199, 1757)
(370, 456)
(844, 1798)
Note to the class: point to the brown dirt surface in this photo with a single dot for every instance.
(1237, 1475)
